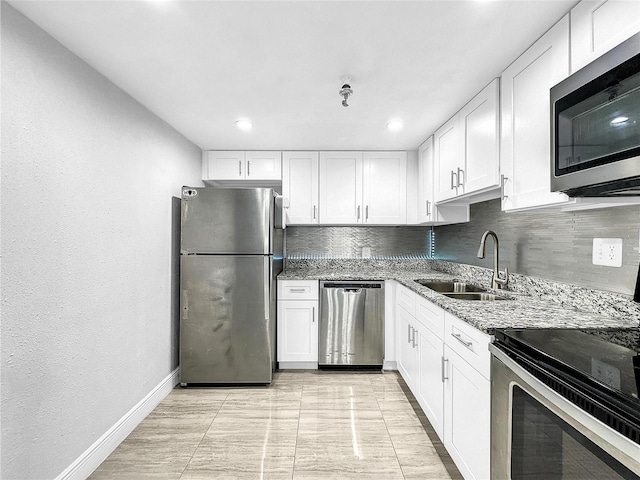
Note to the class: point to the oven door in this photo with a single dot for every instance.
(537, 433)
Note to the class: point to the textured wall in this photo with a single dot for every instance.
(555, 246)
(88, 176)
(340, 242)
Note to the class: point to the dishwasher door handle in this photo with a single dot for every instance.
(353, 290)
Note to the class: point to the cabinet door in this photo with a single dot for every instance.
(425, 182)
(447, 158)
(479, 123)
(405, 350)
(467, 400)
(340, 188)
(599, 25)
(525, 109)
(300, 187)
(263, 165)
(430, 392)
(221, 165)
(297, 331)
(384, 188)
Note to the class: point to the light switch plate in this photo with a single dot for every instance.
(607, 252)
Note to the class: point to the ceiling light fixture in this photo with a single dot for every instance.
(345, 91)
(244, 125)
(395, 125)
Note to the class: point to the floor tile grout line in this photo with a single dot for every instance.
(295, 450)
(204, 435)
(390, 439)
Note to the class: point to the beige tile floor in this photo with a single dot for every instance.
(306, 425)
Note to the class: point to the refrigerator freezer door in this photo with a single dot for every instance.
(226, 221)
(225, 322)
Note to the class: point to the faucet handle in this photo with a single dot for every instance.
(502, 281)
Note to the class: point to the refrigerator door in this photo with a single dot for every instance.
(232, 221)
(226, 325)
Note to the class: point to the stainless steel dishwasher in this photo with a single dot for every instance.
(351, 324)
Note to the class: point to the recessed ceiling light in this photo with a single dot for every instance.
(619, 120)
(395, 125)
(245, 125)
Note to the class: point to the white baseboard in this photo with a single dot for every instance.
(86, 463)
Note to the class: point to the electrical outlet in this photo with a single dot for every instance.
(366, 252)
(607, 251)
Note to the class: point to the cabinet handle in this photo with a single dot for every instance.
(503, 180)
(428, 208)
(408, 333)
(239, 168)
(366, 212)
(358, 217)
(414, 341)
(464, 342)
(444, 369)
(297, 290)
(459, 175)
(248, 168)
(313, 314)
(314, 212)
(453, 174)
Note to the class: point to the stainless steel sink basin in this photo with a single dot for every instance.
(450, 287)
(477, 296)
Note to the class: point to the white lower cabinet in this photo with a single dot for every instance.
(297, 325)
(446, 364)
(467, 422)
(430, 389)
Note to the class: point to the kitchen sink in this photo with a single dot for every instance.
(477, 296)
(450, 287)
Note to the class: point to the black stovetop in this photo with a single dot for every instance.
(610, 358)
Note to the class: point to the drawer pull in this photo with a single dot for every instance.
(297, 290)
(464, 342)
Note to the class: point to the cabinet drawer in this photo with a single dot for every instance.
(406, 298)
(470, 343)
(297, 289)
(430, 315)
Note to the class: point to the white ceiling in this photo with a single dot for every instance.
(201, 65)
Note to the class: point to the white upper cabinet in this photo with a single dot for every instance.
(263, 165)
(447, 157)
(357, 188)
(480, 126)
(428, 211)
(340, 187)
(223, 165)
(425, 181)
(300, 187)
(599, 25)
(525, 110)
(236, 165)
(384, 188)
(467, 149)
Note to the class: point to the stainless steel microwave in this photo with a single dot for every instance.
(595, 126)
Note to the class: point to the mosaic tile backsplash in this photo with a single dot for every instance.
(550, 245)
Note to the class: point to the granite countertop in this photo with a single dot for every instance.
(531, 304)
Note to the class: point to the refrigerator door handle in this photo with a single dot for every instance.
(267, 282)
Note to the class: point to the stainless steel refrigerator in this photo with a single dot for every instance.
(230, 255)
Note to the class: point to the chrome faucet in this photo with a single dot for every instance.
(497, 280)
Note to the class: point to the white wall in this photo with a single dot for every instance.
(88, 323)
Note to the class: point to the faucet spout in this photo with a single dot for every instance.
(497, 281)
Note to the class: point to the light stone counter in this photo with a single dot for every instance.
(532, 303)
